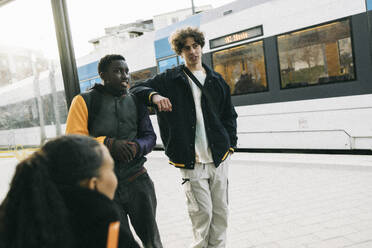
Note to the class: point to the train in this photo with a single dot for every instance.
(300, 74)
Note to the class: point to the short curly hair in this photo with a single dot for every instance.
(178, 38)
(105, 61)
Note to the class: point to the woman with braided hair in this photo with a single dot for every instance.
(61, 196)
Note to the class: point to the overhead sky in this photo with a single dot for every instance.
(29, 24)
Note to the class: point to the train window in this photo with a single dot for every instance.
(140, 76)
(32, 97)
(168, 63)
(316, 55)
(85, 85)
(88, 76)
(243, 68)
(181, 61)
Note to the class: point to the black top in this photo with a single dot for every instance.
(90, 216)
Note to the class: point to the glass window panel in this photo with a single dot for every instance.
(88, 76)
(243, 68)
(316, 55)
(85, 85)
(181, 61)
(140, 75)
(88, 71)
(369, 4)
(167, 64)
(32, 98)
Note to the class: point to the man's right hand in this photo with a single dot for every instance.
(121, 150)
(162, 103)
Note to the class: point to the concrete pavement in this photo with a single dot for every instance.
(279, 201)
(276, 200)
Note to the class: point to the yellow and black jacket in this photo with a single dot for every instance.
(99, 114)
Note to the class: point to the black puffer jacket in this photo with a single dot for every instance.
(177, 128)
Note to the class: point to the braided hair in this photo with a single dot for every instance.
(33, 214)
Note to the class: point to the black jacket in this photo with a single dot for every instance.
(90, 216)
(177, 128)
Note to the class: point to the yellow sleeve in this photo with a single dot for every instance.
(77, 118)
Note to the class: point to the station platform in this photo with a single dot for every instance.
(279, 201)
(276, 200)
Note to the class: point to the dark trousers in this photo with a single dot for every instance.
(137, 200)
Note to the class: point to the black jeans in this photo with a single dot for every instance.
(137, 200)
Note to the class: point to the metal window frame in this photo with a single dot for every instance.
(66, 50)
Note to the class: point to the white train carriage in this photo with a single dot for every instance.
(299, 71)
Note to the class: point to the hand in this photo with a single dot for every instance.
(133, 147)
(162, 103)
(121, 150)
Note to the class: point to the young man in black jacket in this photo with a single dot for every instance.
(198, 130)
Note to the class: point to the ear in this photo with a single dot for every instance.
(102, 75)
(90, 183)
(93, 183)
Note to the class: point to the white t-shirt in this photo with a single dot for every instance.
(202, 151)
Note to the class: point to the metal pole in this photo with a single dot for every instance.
(39, 101)
(53, 88)
(66, 50)
(192, 7)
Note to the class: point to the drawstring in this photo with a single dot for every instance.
(184, 180)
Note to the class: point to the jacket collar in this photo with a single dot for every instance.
(105, 90)
(210, 73)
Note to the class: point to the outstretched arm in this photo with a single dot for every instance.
(152, 92)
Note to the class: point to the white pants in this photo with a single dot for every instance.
(206, 189)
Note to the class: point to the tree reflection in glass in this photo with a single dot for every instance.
(316, 55)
